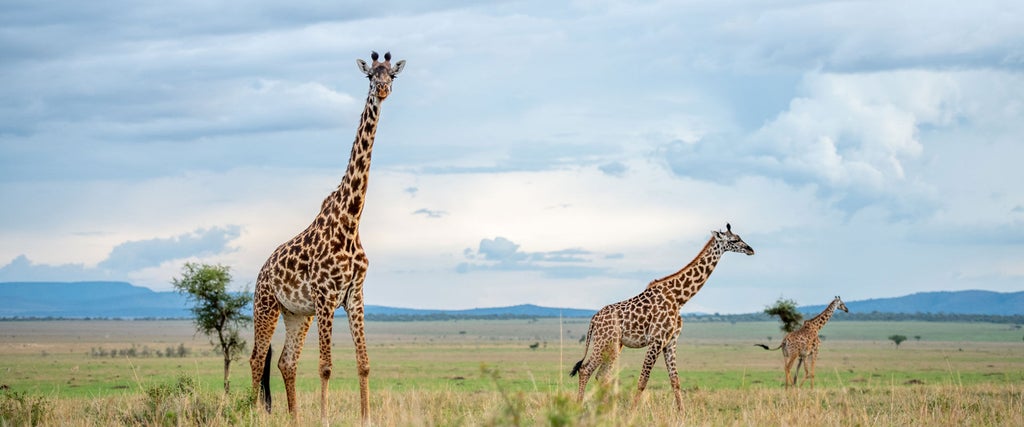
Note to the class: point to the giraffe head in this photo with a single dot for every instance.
(381, 74)
(731, 242)
(841, 305)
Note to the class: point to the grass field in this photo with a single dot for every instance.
(485, 373)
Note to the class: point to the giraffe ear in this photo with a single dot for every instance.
(399, 66)
(363, 66)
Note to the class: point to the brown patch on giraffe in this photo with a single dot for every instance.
(356, 205)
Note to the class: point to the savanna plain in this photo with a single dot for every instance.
(515, 372)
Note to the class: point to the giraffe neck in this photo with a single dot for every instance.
(684, 284)
(819, 321)
(351, 193)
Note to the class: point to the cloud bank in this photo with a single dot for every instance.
(128, 257)
(560, 153)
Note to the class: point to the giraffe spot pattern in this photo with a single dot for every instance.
(649, 319)
(324, 266)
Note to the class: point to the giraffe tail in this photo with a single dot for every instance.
(768, 348)
(576, 368)
(578, 365)
(265, 379)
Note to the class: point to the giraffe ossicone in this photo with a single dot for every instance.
(323, 268)
(651, 319)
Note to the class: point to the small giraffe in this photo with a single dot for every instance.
(651, 319)
(322, 268)
(804, 342)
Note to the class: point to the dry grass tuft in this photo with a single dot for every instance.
(605, 406)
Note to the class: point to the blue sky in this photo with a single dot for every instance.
(561, 155)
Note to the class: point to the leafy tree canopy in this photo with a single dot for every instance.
(897, 339)
(786, 310)
(219, 314)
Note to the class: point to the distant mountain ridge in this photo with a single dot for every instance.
(515, 310)
(88, 299)
(124, 300)
(950, 302)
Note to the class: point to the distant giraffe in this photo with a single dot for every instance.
(322, 268)
(651, 319)
(804, 342)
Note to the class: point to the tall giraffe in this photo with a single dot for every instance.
(651, 319)
(804, 342)
(322, 268)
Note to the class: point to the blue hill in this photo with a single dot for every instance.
(88, 299)
(948, 302)
(124, 300)
(515, 310)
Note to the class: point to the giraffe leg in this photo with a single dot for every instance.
(325, 326)
(595, 364)
(608, 364)
(296, 326)
(673, 374)
(814, 360)
(787, 365)
(584, 374)
(645, 371)
(264, 321)
(585, 371)
(603, 340)
(354, 309)
(796, 372)
(600, 359)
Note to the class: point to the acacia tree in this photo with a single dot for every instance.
(218, 313)
(897, 339)
(788, 314)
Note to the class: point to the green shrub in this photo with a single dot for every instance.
(18, 409)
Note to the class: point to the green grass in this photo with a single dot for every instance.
(948, 332)
(867, 405)
(52, 357)
(484, 373)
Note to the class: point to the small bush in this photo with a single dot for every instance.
(562, 410)
(181, 403)
(17, 409)
(513, 406)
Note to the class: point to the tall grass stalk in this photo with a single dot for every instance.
(606, 405)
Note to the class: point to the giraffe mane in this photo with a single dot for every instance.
(691, 264)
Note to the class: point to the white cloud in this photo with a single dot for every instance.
(23, 269)
(856, 135)
(621, 133)
(618, 232)
(127, 258)
(873, 35)
(137, 255)
(504, 255)
(856, 130)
